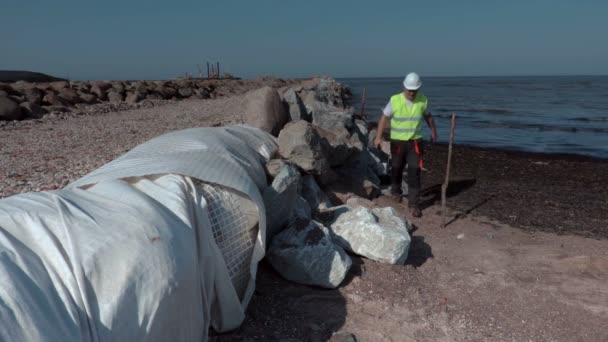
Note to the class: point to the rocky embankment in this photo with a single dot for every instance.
(320, 184)
(42, 100)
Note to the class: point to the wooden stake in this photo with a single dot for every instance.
(363, 104)
(444, 186)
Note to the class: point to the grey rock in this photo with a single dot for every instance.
(22, 86)
(9, 109)
(302, 213)
(201, 93)
(118, 87)
(336, 145)
(115, 97)
(69, 95)
(32, 110)
(53, 100)
(185, 92)
(301, 144)
(56, 109)
(274, 166)
(3, 93)
(297, 110)
(343, 336)
(133, 97)
(265, 110)
(280, 198)
(330, 118)
(313, 194)
(34, 95)
(358, 176)
(99, 91)
(307, 255)
(57, 86)
(87, 98)
(166, 92)
(378, 234)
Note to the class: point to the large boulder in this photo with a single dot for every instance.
(265, 110)
(32, 110)
(302, 213)
(306, 254)
(115, 97)
(331, 119)
(337, 146)
(313, 194)
(58, 85)
(359, 175)
(166, 92)
(87, 98)
(300, 143)
(297, 110)
(185, 92)
(9, 109)
(34, 95)
(280, 198)
(378, 234)
(69, 95)
(99, 92)
(52, 99)
(133, 97)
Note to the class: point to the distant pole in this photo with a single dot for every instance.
(207, 69)
(444, 186)
(212, 70)
(218, 70)
(363, 104)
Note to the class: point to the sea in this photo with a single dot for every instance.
(548, 114)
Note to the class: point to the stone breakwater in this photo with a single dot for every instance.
(38, 100)
(58, 148)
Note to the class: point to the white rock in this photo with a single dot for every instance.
(307, 255)
(378, 234)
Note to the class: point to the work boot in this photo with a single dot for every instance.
(416, 212)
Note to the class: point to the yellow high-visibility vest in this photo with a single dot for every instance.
(406, 123)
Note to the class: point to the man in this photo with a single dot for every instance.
(406, 111)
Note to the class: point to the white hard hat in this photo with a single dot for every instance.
(412, 81)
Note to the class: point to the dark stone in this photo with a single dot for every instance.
(69, 96)
(9, 109)
(88, 98)
(32, 110)
(52, 99)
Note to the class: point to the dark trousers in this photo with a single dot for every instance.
(406, 152)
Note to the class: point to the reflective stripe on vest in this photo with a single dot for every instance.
(406, 123)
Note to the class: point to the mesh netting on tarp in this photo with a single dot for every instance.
(234, 222)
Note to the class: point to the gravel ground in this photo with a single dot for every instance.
(50, 153)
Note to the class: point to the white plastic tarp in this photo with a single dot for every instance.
(127, 252)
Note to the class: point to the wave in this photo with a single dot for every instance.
(477, 110)
(596, 119)
(539, 127)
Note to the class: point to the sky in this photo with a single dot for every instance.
(152, 39)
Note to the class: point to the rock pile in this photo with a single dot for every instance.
(33, 100)
(324, 161)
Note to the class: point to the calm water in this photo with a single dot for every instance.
(566, 114)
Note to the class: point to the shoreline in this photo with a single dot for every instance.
(563, 193)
